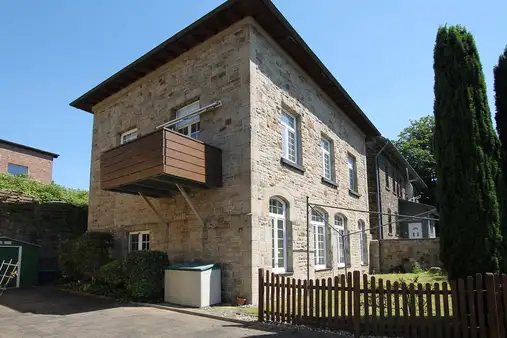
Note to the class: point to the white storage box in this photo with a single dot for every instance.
(196, 285)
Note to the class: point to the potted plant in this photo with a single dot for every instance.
(241, 301)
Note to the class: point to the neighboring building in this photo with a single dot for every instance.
(393, 193)
(256, 124)
(18, 159)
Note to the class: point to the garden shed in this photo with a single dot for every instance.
(27, 254)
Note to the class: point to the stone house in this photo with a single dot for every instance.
(18, 159)
(393, 195)
(208, 146)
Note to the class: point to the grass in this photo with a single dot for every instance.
(421, 277)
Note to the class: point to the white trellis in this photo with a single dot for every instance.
(8, 271)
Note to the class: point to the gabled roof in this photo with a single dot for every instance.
(18, 145)
(269, 18)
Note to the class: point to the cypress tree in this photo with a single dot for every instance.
(466, 154)
(500, 78)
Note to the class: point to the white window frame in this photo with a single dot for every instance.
(126, 135)
(18, 166)
(275, 218)
(327, 166)
(352, 169)
(287, 130)
(140, 241)
(194, 121)
(361, 226)
(316, 225)
(340, 224)
(431, 230)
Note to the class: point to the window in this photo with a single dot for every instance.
(319, 219)
(351, 162)
(289, 137)
(16, 169)
(397, 220)
(362, 242)
(386, 172)
(340, 224)
(128, 136)
(326, 158)
(139, 241)
(389, 221)
(432, 230)
(191, 126)
(278, 216)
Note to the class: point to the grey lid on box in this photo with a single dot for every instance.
(194, 267)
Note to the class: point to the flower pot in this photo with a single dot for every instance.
(241, 301)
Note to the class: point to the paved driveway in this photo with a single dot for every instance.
(47, 312)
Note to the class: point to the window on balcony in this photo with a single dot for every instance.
(16, 169)
(128, 136)
(139, 241)
(191, 126)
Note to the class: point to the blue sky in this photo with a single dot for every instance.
(380, 51)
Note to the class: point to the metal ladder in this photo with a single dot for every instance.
(11, 270)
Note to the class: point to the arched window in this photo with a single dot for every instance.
(362, 242)
(340, 223)
(389, 221)
(397, 221)
(278, 217)
(319, 219)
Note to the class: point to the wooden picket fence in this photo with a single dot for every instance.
(470, 308)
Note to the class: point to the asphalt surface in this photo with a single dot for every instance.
(49, 312)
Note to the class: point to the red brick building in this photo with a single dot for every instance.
(20, 159)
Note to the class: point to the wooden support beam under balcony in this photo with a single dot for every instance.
(154, 163)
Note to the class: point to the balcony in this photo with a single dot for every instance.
(155, 163)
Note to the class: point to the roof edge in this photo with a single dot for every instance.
(30, 148)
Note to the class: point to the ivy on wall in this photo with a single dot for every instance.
(42, 192)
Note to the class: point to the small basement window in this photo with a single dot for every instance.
(128, 136)
(139, 241)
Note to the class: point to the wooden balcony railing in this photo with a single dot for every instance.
(154, 163)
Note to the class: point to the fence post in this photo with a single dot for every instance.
(492, 309)
(357, 303)
(261, 295)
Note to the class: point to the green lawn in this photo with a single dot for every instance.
(422, 277)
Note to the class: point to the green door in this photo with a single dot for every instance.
(6, 254)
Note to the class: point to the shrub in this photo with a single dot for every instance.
(416, 268)
(144, 272)
(42, 192)
(112, 274)
(82, 257)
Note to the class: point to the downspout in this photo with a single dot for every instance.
(379, 202)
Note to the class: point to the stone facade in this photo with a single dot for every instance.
(40, 165)
(395, 253)
(279, 85)
(392, 186)
(254, 80)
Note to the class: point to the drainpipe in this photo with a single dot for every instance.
(379, 203)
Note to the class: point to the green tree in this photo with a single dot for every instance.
(500, 77)
(466, 154)
(415, 143)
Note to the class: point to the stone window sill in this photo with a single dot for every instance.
(292, 165)
(354, 193)
(323, 269)
(329, 182)
(284, 274)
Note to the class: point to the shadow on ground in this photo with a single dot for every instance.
(47, 300)
(286, 331)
